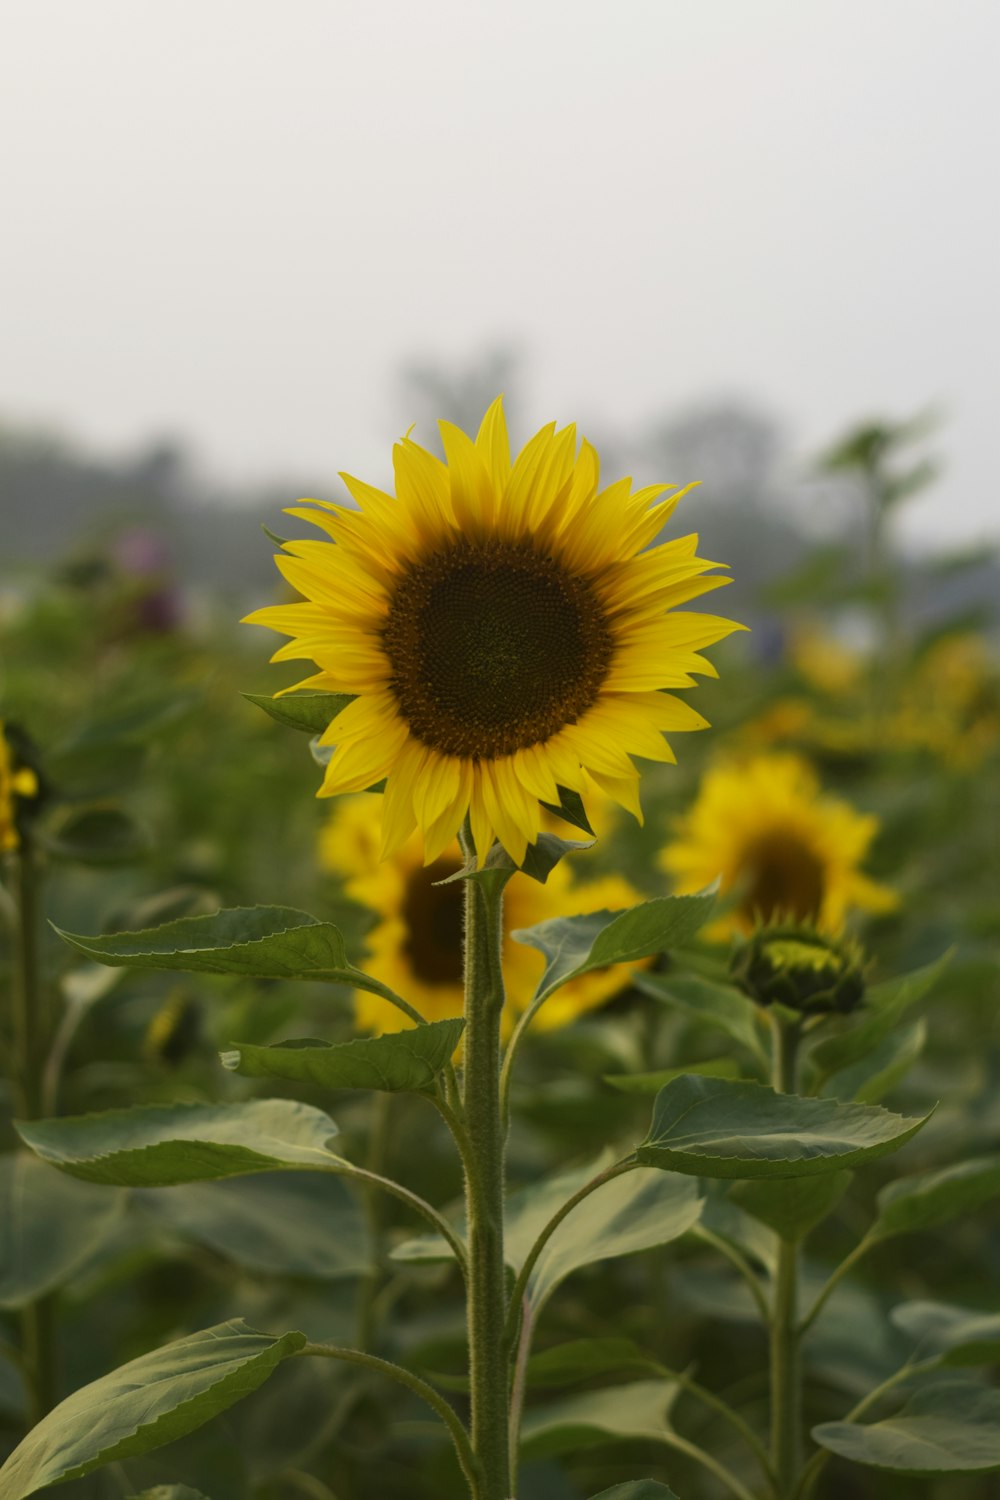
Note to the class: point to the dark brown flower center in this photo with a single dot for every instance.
(785, 879)
(433, 917)
(493, 647)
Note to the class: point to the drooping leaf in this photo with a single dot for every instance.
(575, 945)
(158, 1145)
(584, 1359)
(621, 1413)
(50, 1226)
(720, 1006)
(885, 1005)
(947, 1428)
(870, 1078)
(145, 1404)
(281, 1224)
(929, 1199)
(711, 1127)
(398, 1061)
(959, 1335)
(310, 712)
(651, 1083)
(791, 1206)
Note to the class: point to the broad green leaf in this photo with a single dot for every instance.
(637, 1489)
(98, 836)
(400, 1060)
(623, 1412)
(710, 1127)
(885, 1005)
(145, 1404)
(583, 1359)
(264, 942)
(637, 1211)
(281, 1224)
(960, 1335)
(873, 1076)
(929, 1199)
(792, 1206)
(50, 1226)
(951, 1428)
(576, 945)
(310, 712)
(720, 1006)
(157, 1145)
(651, 1083)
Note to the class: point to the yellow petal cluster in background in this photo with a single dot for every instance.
(15, 782)
(785, 848)
(505, 628)
(415, 946)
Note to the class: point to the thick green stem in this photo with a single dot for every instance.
(487, 1286)
(786, 1363)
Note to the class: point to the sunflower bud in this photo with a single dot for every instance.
(800, 968)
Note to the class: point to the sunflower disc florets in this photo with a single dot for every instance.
(796, 966)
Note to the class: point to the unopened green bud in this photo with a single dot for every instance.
(797, 967)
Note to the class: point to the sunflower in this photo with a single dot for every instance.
(765, 827)
(16, 782)
(415, 946)
(501, 631)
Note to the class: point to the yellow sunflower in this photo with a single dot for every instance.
(764, 826)
(15, 781)
(415, 946)
(501, 629)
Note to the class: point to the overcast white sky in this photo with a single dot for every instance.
(234, 219)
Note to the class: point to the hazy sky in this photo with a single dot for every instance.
(235, 219)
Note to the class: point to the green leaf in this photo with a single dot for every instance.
(791, 1206)
(929, 1199)
(873, 1076)
(570, 809)
(98, 836)
(281, 1224)
(720, 1006)
(145, 1404)
(885, 1005)
(171, 1492)
(540, 858)
(637, 1211)
(263, 942)
(157, 1145)
(950, 1428)
(622, 1413)
(399, 1061)
(50, 1226)
(959, 1335)
(637, 1489)
(711, 1127)
(575, 945)
(652, 1083)
(310, 712)
(583, 1359)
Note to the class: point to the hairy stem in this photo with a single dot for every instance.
(786, 1363)
(487, 1281)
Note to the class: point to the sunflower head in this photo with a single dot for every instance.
(19, 786)
(503, 630)
(798, 967)
(786, 849)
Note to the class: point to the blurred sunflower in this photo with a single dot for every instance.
(790, 851)
(16, 782)
(500, 628)
(415, 946)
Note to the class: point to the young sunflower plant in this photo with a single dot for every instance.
(496, 645)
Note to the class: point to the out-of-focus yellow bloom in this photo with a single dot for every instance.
(16, 781)
(415, 946)
(502, 628)
(765, 827)
(825, 663)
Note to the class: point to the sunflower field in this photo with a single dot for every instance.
(537, 1036)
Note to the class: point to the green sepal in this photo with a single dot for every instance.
(570, 809)
(311, 712)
